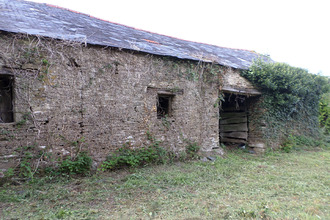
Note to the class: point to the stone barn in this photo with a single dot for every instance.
(71, 82)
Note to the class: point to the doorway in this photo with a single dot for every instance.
(234, 119)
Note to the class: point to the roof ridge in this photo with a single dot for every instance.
(151, 32)
(68, 24)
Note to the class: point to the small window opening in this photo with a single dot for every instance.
(6, 99)
(164, 106)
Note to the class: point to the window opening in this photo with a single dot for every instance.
(6, 98)
(164, 106)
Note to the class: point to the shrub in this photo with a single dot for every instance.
(134, 157)
(192, 149)
(26, 168)
(297, 142)
(79, 165)
(324, 116)
(291, 96)
(287, 146)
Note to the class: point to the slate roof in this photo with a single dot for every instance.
(50, 21)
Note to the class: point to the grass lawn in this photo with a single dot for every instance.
(241, 186)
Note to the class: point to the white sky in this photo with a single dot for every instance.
(293, 31)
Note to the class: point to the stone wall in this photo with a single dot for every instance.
(256, 124)
(232, 81)
(70, 97)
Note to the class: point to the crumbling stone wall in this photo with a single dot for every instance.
(256, 124)
(70, 97)
(232, 81)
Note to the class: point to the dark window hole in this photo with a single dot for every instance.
(6, 99)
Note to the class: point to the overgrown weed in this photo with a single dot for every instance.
(277, 185)
(302, 142)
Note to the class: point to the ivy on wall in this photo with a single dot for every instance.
(324, 116)
(291, 96)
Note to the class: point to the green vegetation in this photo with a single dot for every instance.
(192, 149)
(28, 168)
(190, 70)
(325, 113)
(79, 165)
(128, 156)
(276, 185)
(25, 168)
(291, 97)
(301, 142)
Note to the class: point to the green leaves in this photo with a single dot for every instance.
(134, 157)
(289, 93)
(80, 165)
(324, 116)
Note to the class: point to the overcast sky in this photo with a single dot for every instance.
(293, 31)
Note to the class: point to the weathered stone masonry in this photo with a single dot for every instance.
(70, 97)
